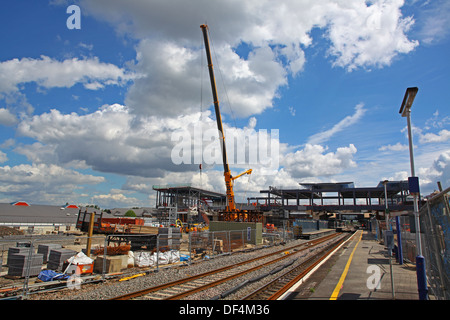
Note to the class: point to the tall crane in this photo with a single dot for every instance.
(229, 179)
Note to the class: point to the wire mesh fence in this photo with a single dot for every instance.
(27, 262)
(408, 237)
(40, 263)
(434, 217)
(435, 225)
(215, 243)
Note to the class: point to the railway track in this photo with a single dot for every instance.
(281, 284)
(186, 287)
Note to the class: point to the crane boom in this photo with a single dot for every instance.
(231, 205)
(216, 99)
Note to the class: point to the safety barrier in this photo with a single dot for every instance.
(435, 226)
(28, 261)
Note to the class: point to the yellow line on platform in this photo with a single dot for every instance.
(338, 287)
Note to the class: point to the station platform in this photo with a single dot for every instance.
(359, 270)
(316, 234)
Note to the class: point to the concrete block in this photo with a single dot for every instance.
(45, 249)
(19, 263)
(113, 263)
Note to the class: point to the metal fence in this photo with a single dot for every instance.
(22, 259)
(210, 244)
(311, 225)
(435, 227)
(434, 219)
(408, 236)
(408, 240)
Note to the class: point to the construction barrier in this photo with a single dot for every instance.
(32, 263)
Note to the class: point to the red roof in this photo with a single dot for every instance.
(71, 206)
(20, 203)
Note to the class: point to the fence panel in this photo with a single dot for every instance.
(435, 225)
(224, 242)
(24, 258)
(408, 238)
(29, 262)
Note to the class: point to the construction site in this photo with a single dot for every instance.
(194, 234)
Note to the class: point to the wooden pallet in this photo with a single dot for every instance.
(143, 229)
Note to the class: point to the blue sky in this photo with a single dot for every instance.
(88, 115)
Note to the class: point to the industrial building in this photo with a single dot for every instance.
(329, 197)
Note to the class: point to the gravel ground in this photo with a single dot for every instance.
(112, 288)
(297, 259)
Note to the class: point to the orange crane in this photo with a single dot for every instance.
(231, 209)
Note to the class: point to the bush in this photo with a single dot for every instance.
(130, 213)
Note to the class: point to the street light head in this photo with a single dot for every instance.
(408, 99)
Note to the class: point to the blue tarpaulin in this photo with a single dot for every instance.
(184, 257)
(50, 275)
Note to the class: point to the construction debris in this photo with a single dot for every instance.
(113, 250)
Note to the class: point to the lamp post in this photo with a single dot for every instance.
(405, 111)
(386, 211)
(389, 236)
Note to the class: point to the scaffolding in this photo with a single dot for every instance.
(319, 197)
(185, 196)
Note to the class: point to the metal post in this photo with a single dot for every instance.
(386, 216)
(399, 240)
(421, 278)
(190, 248)
(386, 211)
(27, 272)
(392, 274)
(405, 110)
(104, 258)
(420, 260)
(413, 174)
(90, 233)
(157, 253)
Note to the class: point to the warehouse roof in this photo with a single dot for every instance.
(10, 214)
(47, 214)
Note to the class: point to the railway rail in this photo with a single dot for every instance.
(276, 288)
(189, 286)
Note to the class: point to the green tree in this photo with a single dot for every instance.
(130, 213)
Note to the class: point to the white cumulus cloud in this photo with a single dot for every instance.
(361, 34)
(50, 73)
(313, 161)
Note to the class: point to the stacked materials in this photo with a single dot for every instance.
(17, 250)
(57, 257)
(142, 229)
(22, 262)
(45, 249)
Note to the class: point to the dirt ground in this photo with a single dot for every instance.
(7, 231)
